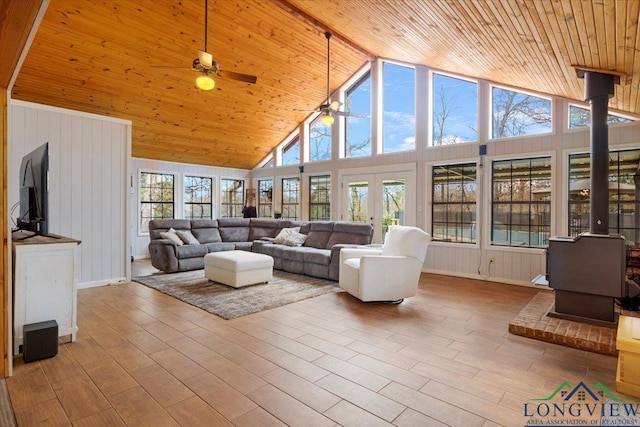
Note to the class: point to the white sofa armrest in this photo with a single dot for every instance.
(348, 253)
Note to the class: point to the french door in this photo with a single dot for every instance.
(381, 199)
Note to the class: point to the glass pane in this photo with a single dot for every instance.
(399, 108)
(581, 117)
(358, 201)
(291, 153)
(358, 129)
(393, 204)
(516, 113)
(455, 110)
(319, 140)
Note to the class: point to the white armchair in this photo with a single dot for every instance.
(390, 273)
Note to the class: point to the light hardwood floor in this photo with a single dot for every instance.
(443, 357)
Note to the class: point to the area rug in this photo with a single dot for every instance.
(227, 302)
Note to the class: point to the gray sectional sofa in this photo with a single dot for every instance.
(319, 256)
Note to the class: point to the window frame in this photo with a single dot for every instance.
(290, 142)
(260, 197)
(284, 204)
(567, 126)
(381, 97)
(235, 208)
(141, 231)
(431, 102)
(473, 240)
(326, 206)
(361, 78)
(184, 198)
(552, 113)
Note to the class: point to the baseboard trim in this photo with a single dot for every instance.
(95, 284)
(479, 277)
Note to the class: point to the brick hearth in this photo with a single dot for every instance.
(533, 322)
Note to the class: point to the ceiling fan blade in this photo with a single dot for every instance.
(334, 105)
(205, 58)
(345, 114)
(237, 76)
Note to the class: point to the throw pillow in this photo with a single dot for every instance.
(187, 237)
(295, 239)
(171, 235)
(284, 233)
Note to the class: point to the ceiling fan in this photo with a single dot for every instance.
(207, 66)
(330, 109)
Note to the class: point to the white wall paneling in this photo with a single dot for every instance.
(87, 192)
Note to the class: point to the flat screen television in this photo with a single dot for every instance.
(34, 191)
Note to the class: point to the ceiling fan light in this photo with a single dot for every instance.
(205, 82)
(327, 119)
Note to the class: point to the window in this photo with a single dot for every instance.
(624, 190)
(156, 198)
(516, 113)
(581, 117)
(320, 198)
(265, 198)
(399, 108)
(358, 129)
(291, 153)
(290, 198)
(521, 202)
(454, 203)
(197, 197)
(232, 195)
(268, 163)
(455, 110)
(319, 140)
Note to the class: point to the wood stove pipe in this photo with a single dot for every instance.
(598, 88)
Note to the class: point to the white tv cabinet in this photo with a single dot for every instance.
(44, 283)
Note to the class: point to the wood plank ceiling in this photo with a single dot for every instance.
(94, 56)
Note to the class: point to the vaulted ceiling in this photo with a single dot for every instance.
(96, 56)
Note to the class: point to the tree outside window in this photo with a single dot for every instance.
(320, 198)
(156, 198)
(454, 203)
(198, 202)
(291, 153)
(265, 198)
(521, 202)
(232, 198)
(516, 114)
(290, 198)
(581, 117)
(455, 110)
(319, 140)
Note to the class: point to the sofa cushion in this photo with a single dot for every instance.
(234, 229)
(317, 256)
(263, 228)
(205, 230)
(319, 234)
(220, 246)
(350, 233)
(293, 253)
(191, 251)
(187, 237)
(294, 239)
(156, 226)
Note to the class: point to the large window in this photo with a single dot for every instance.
(454, 203)
(521, 202)
(624, 194)
(455, 110)
(319, 140)
(399, 108)
(291, 153)
(358, 126)
(290, 198)
(265, 198)
(320, 198)
(516, 114)
(156, 198)
(197, 197)
(232, 198)
(581, 117)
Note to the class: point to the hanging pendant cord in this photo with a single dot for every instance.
(206, 9)
(328, 36)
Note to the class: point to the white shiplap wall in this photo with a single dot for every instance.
(140, 241)
(88, 157)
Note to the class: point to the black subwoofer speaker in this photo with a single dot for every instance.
(40, 340)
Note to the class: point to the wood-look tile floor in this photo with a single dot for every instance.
(443, 357)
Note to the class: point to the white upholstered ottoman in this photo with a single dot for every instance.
(238, 268)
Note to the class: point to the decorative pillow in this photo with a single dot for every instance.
(171, 235)
(295, 239)
(187, 237)
(284, 233)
